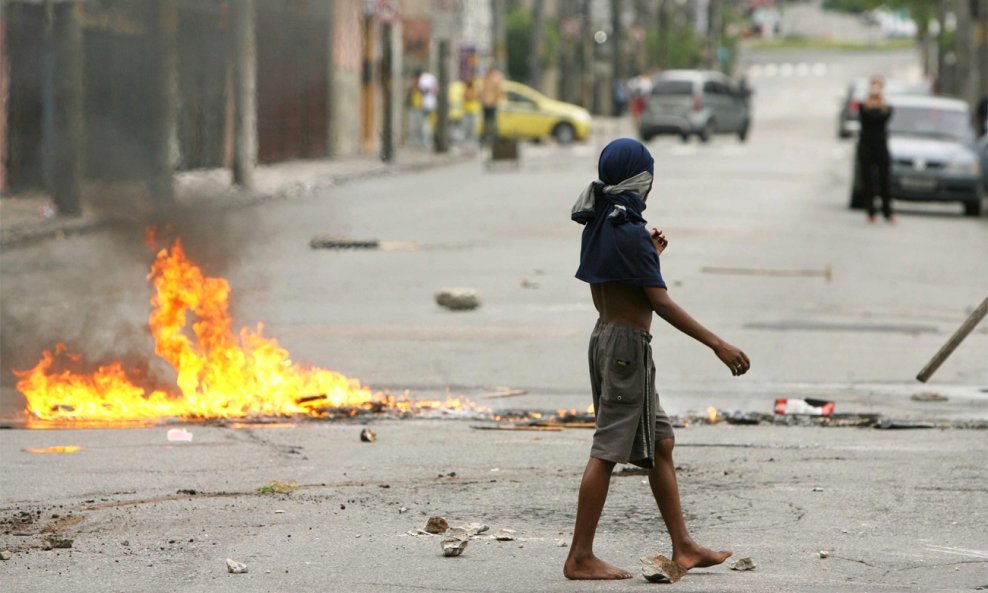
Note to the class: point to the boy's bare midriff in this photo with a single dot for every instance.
(622, 304)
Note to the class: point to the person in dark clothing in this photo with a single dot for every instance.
(873, 151)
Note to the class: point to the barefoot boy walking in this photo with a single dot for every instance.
(619, 258)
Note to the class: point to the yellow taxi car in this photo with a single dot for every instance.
(527, 114)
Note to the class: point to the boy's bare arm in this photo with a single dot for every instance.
(667, 309)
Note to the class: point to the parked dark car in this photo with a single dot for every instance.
(934, 156)
(847, 118)
(695, 103)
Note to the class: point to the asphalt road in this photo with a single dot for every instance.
(898, 511)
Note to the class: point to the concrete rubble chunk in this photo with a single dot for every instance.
(454, 545)
(824, 554)
(475, 528)
(53, 543)
(659, 569)
(437, 525)
(458, 299)
(234, 567)
(5, 555)
(368, 436)
(743, 564)
(505, 535)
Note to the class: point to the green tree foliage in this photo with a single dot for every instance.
(519, 31)
(685, 48)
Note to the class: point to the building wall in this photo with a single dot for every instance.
(3, 103)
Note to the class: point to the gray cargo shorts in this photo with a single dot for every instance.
(626, 405)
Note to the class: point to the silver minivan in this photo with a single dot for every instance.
(695, 102)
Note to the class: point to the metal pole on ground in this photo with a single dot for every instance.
(387, 94)
(955, 340)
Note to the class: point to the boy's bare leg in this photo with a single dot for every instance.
(581, 562)
(662, 478)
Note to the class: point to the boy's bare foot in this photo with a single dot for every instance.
(695, 556)
(592, 568)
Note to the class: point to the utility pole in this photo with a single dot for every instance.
(714, 27)
(586, 53)
(535, 48)
(387, 93)
(244, 93)
(164, 100)
(499, 32)
(68, 145)
(442, 104)
(664, 29)
(618, 63)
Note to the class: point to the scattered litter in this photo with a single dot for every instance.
(458, 299)
(743, 564)
(278, 487)
(368, 436)
(818, 489)
(659, 569)
(495, 469)
(517, 427)
(179, 435)
(824, 554)
(279, 512)
(633, 471)
(453, 545)
(53, 543)
(826, 272)
(505, 535)
(474, 528)
(526, 283)
(899, 425)
(5, 555)
(418, 532)
(929, 396)
(56, 449)
(562, 543)
(501, 392)
(234, 567)
(812, 407)
(189, 491)
(337, 243)
(402, 510)
(436, 525)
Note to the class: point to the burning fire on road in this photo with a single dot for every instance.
(221, 373)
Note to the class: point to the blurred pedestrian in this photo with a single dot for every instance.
(981, 117)
(873, 151)
(619, 258)
(490, 95)
(413, 111)
(471, 112)
(429, 87)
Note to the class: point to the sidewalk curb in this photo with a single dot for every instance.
(233, 197)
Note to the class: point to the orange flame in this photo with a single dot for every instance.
(55, 449)
(220, 374)
(711, 414)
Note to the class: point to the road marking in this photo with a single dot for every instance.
(771, 70)
(819, 69)
(786, 69)
(802, 69)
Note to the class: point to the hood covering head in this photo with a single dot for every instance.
(623, 159)
(616, 247)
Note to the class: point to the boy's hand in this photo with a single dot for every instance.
(659, 240)
(732, 356)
